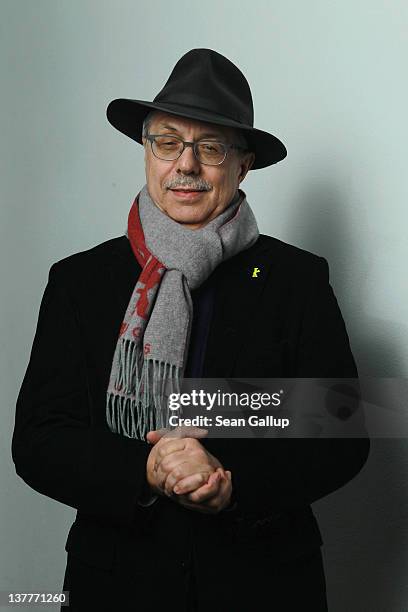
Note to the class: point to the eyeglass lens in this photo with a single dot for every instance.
(207, 152)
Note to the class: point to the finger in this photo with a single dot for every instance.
(211, 487)
(207, 491)
(173, 460)
(155, 435)
(167, 446)
(184, 431)
(188, 484)
(215, 477)
(215, 488)
(181, 470)
(226, 474)
(221, 472)
(209, 505)
(217, 502)
(180, 464)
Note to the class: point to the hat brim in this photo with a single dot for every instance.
(127, 116)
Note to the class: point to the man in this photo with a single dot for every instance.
(169, 518)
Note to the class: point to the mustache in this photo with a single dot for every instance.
(197, 184)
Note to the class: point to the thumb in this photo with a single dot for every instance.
(155, 435)
(225, 474)
(214, 478)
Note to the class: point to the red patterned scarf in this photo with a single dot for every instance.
(152, 347)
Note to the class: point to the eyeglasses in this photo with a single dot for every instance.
(207, 152)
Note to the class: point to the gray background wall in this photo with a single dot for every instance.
(329, 78)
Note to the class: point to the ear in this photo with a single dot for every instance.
(246, 165)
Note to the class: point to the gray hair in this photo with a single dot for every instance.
(146, 123)
(239, 139)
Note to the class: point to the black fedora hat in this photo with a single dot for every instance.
(206, 86)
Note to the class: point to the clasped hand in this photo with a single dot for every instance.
(180, 467)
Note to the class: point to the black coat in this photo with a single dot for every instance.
(285, 323)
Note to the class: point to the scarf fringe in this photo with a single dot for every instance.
(137, 398)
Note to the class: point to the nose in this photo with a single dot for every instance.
(187, 163)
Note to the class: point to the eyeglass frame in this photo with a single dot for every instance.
(186, 143)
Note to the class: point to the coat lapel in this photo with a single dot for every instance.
(239, 282)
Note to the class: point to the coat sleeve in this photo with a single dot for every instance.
(273, 475)
(55, 447)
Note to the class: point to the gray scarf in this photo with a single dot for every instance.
(152, 347)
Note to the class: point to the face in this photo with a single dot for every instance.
(189, 192)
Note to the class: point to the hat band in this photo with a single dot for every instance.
(211, 113)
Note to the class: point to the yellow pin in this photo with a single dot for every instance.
(255, 273)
